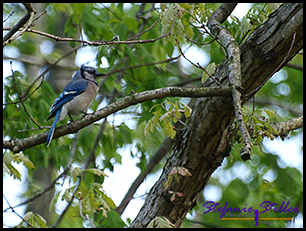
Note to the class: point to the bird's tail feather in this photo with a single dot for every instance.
(57, 115)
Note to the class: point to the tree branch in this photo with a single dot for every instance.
(29, 16)
(98, 43)
(17, 145)
(50, 186)
(234, 68)
(284, 128)
(162, 151)
(21, 100)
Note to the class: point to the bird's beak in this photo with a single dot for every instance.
(98, 75)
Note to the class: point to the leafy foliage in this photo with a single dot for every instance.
(172, 114)
(160, 222)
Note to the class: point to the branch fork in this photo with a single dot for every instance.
(234, 69)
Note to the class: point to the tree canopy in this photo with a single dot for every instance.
(202, 126)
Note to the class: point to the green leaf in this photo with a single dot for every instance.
(8, 158)
(96, 171)
(75, 172)
(131, 23)
(271, 114)
(11, 171)
(19, 157)
(168, 129)
(245, 26)
(189, 32)
(126, 133)
(34, 219)
(105, 199)
(153, 122)
(66, 195)
(113, 221)
(211, 68)
(90, 203)
(41, 222)
(160, 222)
(54, 201)
(168, 182)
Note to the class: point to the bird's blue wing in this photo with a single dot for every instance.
(69, 92)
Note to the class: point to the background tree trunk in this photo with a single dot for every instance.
(57, 78)
(203, 144)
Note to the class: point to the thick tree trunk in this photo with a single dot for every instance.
(203, 144)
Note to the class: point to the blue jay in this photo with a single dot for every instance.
(76, 97)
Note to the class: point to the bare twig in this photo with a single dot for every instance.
(86, 217)
(215, 37)
(40, 16)
(162, 151)
(26, 20)
(21, 101)
(141, 33)
(201, 44)
(196, 65)
(47, 69)
(8, 16)
(296, 67)
(50, 186)
(67, 207)
(100, 43)
(10, 207)
(140, 65)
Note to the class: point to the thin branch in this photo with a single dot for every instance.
(47, 69)
(215, 37)
(40, 16)
(296, 67)
(10, 207)
(140, 65)
(100, 43)
(283, 128)
(67, 207)
(8, 16)
(26, 21)
(86, 217)
(21, 101)
(141, 33)
(196, 65)
(162, 151)
(201, 44)
(50, 186)
(281, 105)
(18, 25)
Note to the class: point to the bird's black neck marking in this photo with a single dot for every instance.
(92, 81)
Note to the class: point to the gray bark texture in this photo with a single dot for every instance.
(205, 142)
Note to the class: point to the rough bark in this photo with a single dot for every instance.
(204, 143)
